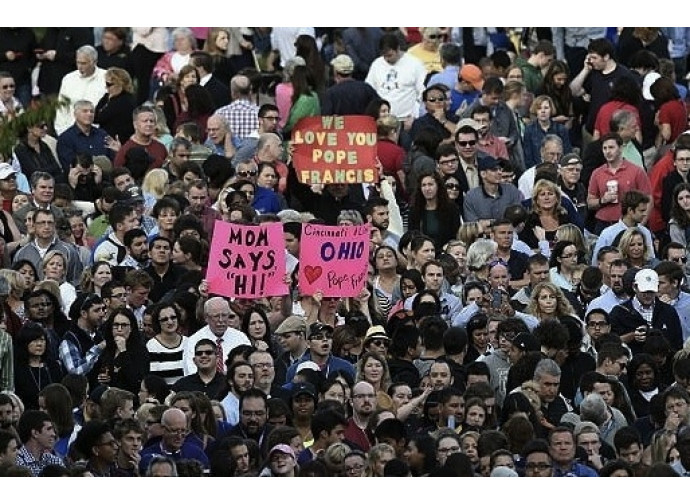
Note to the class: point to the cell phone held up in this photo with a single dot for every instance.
(496, 298)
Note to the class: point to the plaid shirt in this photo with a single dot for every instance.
(73, 360)
(241, 116)
(26, 459)
(6, 362)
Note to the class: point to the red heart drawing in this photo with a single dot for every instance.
(312, 273)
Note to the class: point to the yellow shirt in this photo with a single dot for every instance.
(430, 59)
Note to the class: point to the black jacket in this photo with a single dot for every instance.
(625, 319)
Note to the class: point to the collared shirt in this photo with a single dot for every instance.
(241, 116)
(231, 339)
(471, 173)
(646, 312)
(479, 204)
(26, 459)
(576, 470)
(606, 301)
(74, 141)
(682, 306)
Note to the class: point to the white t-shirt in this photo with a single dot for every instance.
(401, 84)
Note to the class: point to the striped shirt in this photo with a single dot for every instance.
(166, 362)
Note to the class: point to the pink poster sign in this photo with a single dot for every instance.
(333, 259)
(247, 262)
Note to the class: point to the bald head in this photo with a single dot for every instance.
(173, 417)
(240, 86)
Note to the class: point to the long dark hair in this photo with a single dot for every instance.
(563, 97)
(244, 326)
(134, 342)
(677, 213)
(30, 331)
(444, 205)
(305, 46)
(300, 83)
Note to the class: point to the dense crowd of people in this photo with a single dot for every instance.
(527, 309)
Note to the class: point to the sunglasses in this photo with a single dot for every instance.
(168, 319)
(246, 173)
(199, 353)
(9, 86)
(434, 100)
(453, 187)
(433, 37)
(681, 259)
(465, 143)
(379, 342)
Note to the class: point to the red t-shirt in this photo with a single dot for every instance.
(659, 172)
(629, 176)
(155, 149)
(674, 113)
(601, 124)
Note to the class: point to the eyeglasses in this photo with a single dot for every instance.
(434, 100)
(219, 316)
(263, 365)
(175, 432)
(121, 295)
(246, 173)
(112, 442)
(199, 353)
(171, 318)
(453, 187)
(121, 325)
(681, 259)
(498, 262)
(108, 84)
(9, 86)
(466, 143)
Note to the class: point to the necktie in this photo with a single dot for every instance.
(220, 365)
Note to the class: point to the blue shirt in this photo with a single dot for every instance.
(576, 470)
(333, 364)
(187, 451)
(73, 141)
